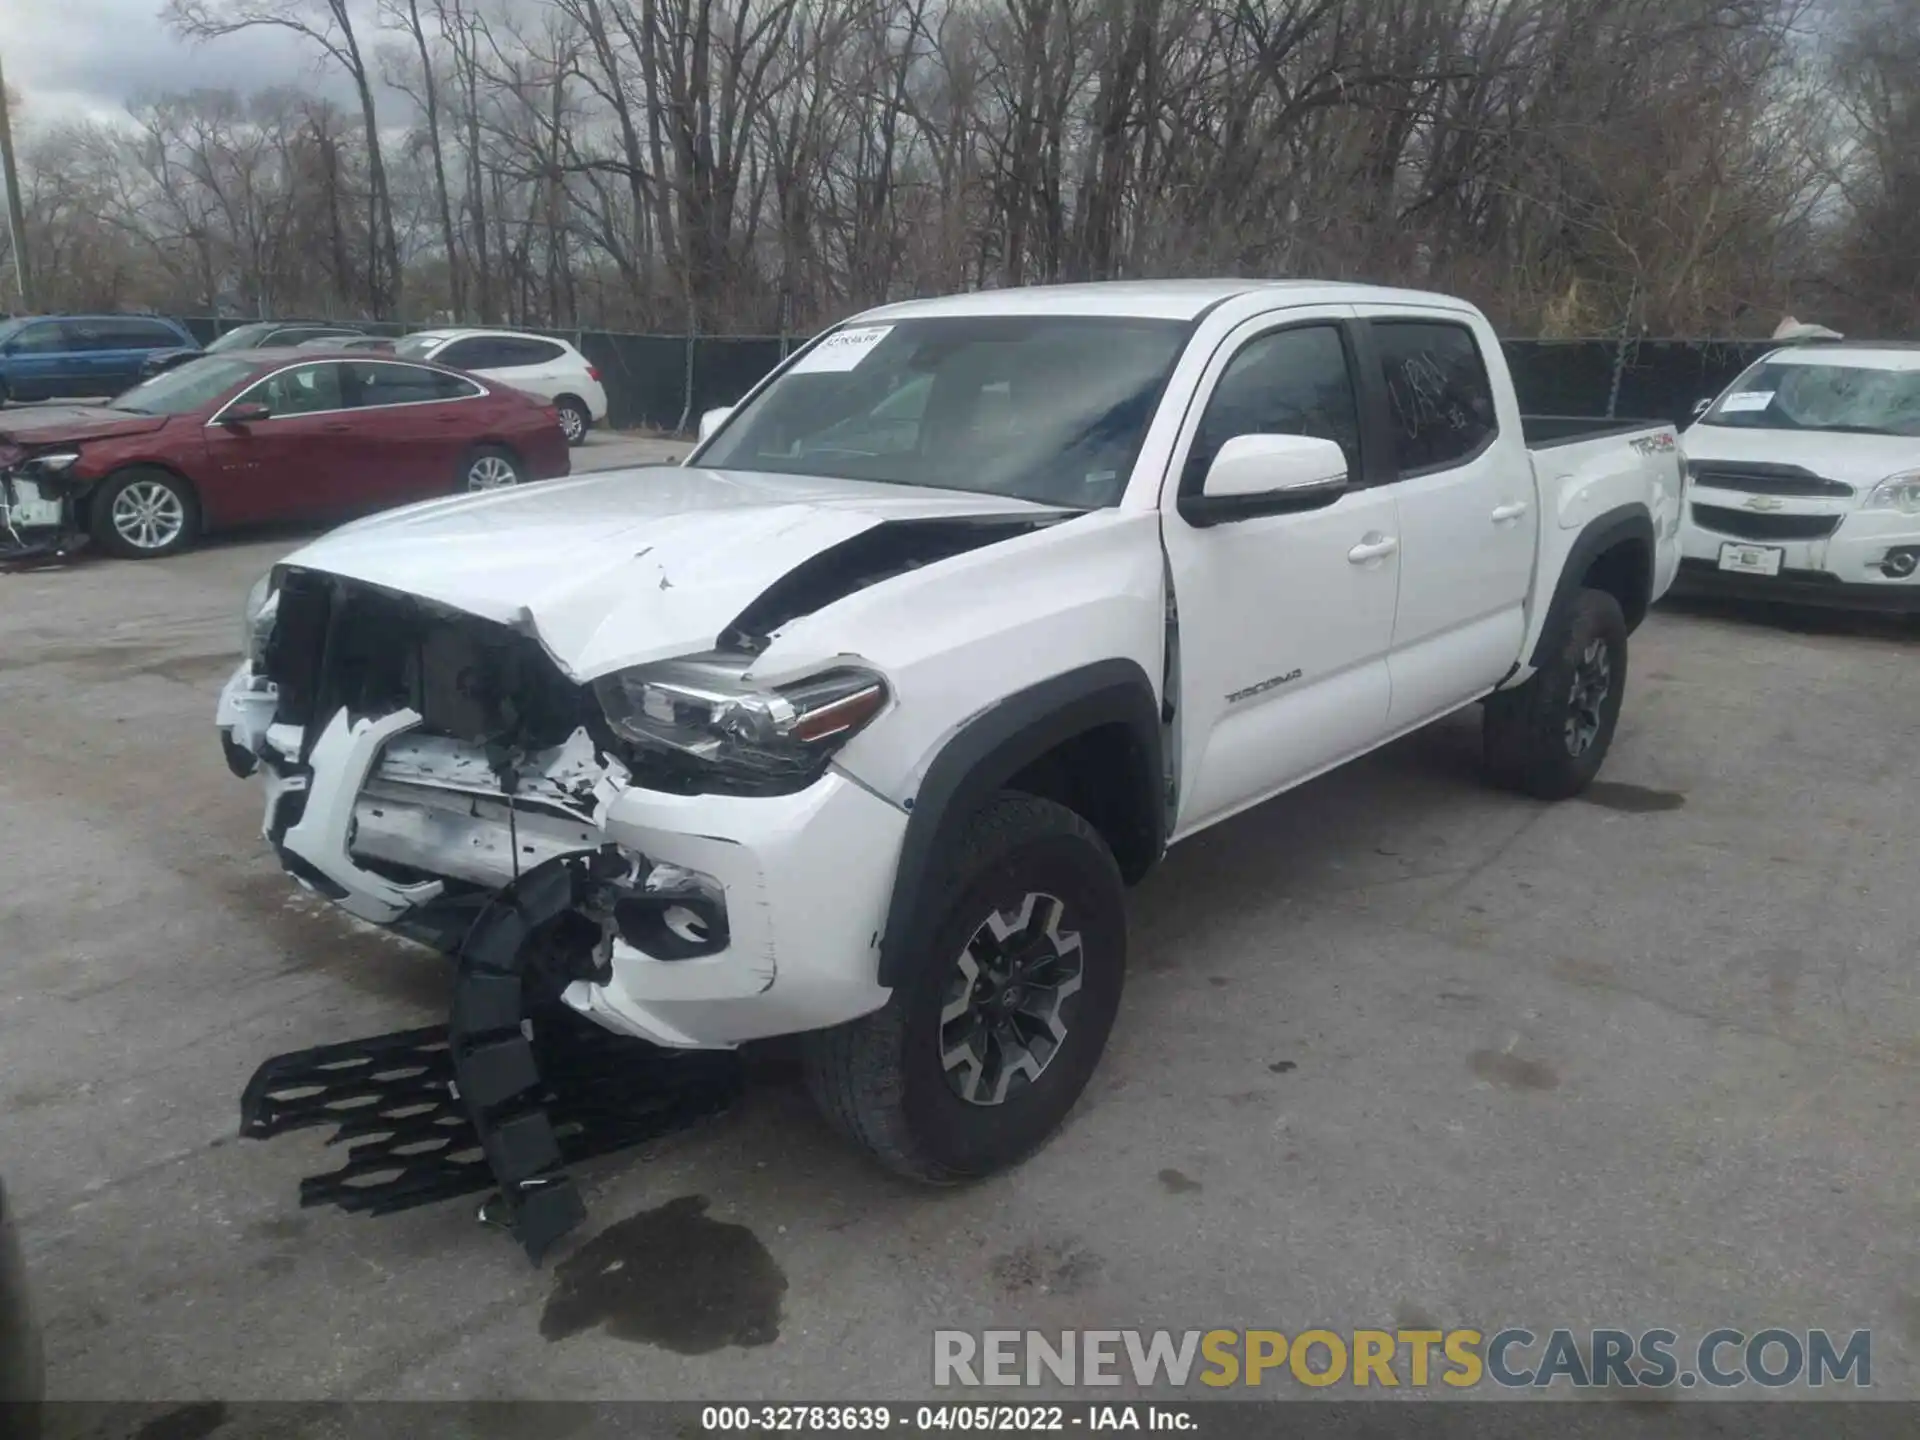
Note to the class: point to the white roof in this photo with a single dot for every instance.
(459, 333)
(1153, 299)
(1855, 357)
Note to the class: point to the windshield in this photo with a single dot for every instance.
(245, 337)
(1038, 407)
(415, 347)
(193, 385)
(1851, 399)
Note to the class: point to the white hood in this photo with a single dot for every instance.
(626, 566)
(1861, 461)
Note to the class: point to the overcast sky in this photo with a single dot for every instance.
(78, 59)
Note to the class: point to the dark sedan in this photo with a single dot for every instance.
(266, 435)
(263, 335)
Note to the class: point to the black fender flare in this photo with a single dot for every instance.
(998, 743)
(1602, 533)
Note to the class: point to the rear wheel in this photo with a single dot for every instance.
(575, 420)
(1549, 737)
(491, 467)
(988, 1040)
(144, 513)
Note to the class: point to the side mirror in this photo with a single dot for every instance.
(1700, 407)
(248, 412)
(713, 420)
(1268, 475)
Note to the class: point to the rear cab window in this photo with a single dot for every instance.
(1440, 407)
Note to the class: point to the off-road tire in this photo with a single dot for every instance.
(1525, 732)
(575, 419)
(879, 1079)
(143, 480)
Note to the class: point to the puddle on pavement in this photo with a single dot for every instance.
(1633, 799)
(671, 1277)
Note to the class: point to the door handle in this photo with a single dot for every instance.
(1513, 511)
(1374, 547)
(336, 427)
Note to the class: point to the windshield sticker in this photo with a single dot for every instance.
(1746, 400)
(842, 350)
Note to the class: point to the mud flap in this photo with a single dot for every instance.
(496, 1097)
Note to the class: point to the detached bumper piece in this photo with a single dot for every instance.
(495, 1098)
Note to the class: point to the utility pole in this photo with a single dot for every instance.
(16, 216)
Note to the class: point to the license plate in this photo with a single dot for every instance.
(1752, 559)
(28, 507)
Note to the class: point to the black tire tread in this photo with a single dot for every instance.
(850, 1070)
(1522, 740)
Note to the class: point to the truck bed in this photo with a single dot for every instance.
(1543, 432)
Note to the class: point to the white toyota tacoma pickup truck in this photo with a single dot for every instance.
(858, 723)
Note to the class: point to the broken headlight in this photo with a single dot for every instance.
(711, 726)
(256, 621)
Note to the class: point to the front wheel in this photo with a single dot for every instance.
(490, 468)
(1549, 737)
(995, 1029)
(144, 513)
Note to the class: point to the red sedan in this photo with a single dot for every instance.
(266, 435)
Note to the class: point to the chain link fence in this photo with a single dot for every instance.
(660, 381)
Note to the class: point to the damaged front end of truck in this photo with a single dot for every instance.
(626, 855)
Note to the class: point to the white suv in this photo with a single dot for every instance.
(537, 364)
(1806, 480)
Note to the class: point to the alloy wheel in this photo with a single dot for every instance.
(1001, 1023)
(1592, 683)
(572, 424)
(148, 515)
(491, 472)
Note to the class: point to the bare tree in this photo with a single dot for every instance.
(328, 24)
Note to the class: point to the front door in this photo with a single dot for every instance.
(1468, 520)
(1284, 620)
(287, 466)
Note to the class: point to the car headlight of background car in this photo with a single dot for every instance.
(256, 620)
(1897, 492)
(50, 466)
(708, 726)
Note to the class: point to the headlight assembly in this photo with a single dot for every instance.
(256, 620)
(714, 727)
(48, 466)
(1897, 492)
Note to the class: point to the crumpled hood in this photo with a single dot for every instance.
(1861, 461)
(38, 426)
(625, 566)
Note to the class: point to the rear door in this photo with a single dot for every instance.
(1468, 519)
(410, 427)
(1285, 619)
(526, 363)
(294, 463)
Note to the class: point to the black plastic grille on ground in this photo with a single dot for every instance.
(493, 1098)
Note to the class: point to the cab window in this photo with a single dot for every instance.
(1288, 382)
(1439, 398)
